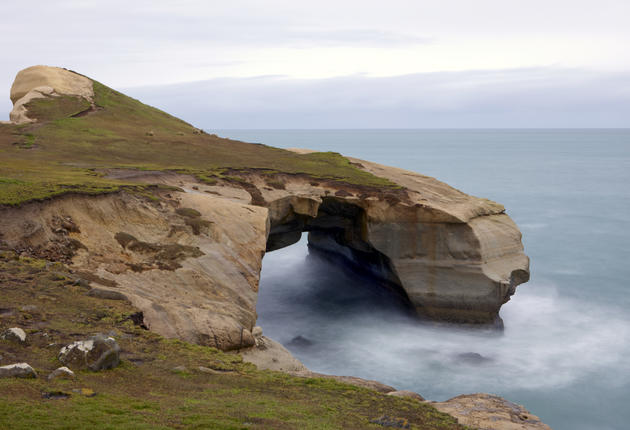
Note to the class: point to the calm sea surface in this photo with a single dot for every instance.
(565, 350)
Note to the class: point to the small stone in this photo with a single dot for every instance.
(180, 369)
(63, 373)
(407, 394)
(29, 308)
(257, 332)
(97, 353)
(17, 370)
(15, 334)
(82, 282)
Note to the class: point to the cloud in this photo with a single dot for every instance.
(537, 97)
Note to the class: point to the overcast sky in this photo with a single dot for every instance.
(292, 64)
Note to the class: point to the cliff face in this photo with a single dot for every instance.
(186, 249)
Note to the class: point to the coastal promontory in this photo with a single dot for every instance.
(141, 209)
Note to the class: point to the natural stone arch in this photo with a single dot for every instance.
(336, 227)
(447, 269)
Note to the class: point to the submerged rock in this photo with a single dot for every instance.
(300, 342)
(96, 353)
(472, 358)
(17, 370)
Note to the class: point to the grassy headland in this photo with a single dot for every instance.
(71, 142)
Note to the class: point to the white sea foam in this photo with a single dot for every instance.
(550, 341)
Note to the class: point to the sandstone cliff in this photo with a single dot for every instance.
(190, 256)
(142, 204)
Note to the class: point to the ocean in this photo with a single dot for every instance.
(565, 351)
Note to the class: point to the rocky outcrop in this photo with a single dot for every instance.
(271, 355)
(191, 260)
(97, 353)
(487, 412)
(40, 82)
(14, 334)
(455, 257)
(61, 373)
(17, 370)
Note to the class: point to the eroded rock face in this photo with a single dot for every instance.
(196, 281)
(191, 261)
(489, 412)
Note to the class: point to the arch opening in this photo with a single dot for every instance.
(337, 232)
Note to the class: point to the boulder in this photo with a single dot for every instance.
(97, 353)
(257, 332)
(39, 82)
(271, 355)
(62, 373)
(60, 80)
(490, 412)
(15, 334)
(17, 370)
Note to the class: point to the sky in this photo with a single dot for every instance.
(340, 64)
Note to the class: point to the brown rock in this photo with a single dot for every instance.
(489, 412)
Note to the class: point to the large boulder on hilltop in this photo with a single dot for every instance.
(97, 353)
(62, 81)
(38, 82)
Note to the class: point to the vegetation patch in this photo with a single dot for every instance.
(56, 107)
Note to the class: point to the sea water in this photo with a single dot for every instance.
(565, 350)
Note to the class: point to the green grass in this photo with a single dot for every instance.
(144, 392)
(61, 153)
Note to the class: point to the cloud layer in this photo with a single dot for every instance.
(511, 98)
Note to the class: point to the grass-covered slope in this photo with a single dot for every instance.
(71, 142)
(144, 391)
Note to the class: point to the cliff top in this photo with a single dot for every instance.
(70, 137)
